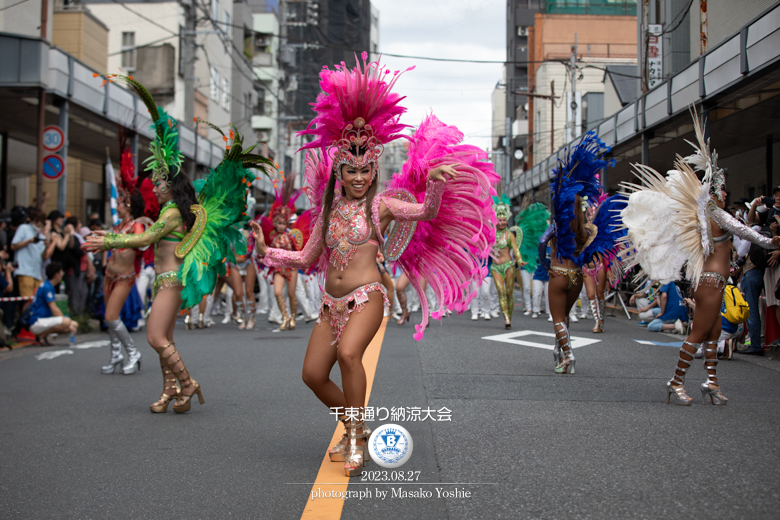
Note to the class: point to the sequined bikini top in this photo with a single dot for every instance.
(501, 243)
(348, 229)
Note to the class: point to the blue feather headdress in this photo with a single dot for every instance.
(578, 175)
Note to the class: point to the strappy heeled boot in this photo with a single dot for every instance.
(116, 353)
(355, 455)
(250, 316)
(169, 383)
(189, 387)
(602, 309)
(336, 453)
(680, 396)
(240, 315)
(283, 309)
(293, 310)
(596, 310)
(404, 309)
(564, 346)
(123, 336)
(710, 363)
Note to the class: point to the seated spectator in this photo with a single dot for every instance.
(46, 317)
(728, 333)
(646, 301)
(672, 312)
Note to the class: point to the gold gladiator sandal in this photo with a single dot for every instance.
(404, 310)
(169, 383)
(283, 309)
(336, 453)
(711, 356)
(595, 308)
(293, 311)
(355, 456)
(680, 396)
(176, 366)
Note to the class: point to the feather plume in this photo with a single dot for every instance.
(451, 250)
(577, 175)
(532, 222)
(358, 93)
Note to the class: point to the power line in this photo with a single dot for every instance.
(12, 5)
(683, 12)
(145, 18)
(143, 45)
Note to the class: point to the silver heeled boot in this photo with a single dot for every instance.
(116, 352)
(133, 363)
(678, 393)
(711, 356)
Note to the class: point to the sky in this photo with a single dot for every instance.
(457, 93)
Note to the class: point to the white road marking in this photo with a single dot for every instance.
(92, 344)
(576, 342)
(52, 354)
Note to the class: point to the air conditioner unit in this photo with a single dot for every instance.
(261, 40)
(522, 30)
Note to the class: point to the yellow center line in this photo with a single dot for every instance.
(331, 478)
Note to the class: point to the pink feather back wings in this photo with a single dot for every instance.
(451, 250)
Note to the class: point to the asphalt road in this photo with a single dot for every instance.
(522, 442)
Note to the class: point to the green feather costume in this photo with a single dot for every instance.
(532, 222)
(221, 212)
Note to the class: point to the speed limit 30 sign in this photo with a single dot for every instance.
(53, 138)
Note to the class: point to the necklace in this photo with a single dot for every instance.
(347, 230)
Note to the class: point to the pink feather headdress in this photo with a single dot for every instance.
(356, 108)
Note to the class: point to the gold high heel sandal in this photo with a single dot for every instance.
(161, 405)
(356, 456)
(285, 317)
(595, 308)
(336, 453)
(182, 403)
(293, 311)
(404, 310)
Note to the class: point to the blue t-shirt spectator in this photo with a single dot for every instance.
(675, 307)
(43, 297)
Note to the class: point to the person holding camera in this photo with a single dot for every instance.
(31, 247)
(770, 224)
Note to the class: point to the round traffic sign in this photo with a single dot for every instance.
(53, 167)
(53, 138)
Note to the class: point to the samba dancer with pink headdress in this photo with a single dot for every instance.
(442, 229)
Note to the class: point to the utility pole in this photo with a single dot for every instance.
(281, 151)
(573, 105)
(41, 115)
(188, 66)
(552, 116)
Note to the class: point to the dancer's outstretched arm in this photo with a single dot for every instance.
(274, 257)
(729, 223)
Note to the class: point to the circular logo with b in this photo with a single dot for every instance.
(390, 445)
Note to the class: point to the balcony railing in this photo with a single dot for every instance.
(598, 7)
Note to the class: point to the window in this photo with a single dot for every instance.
(226, 93)
(214, 84)
(215, 10)
(128, 51)
(228, 28)
(260, 106)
